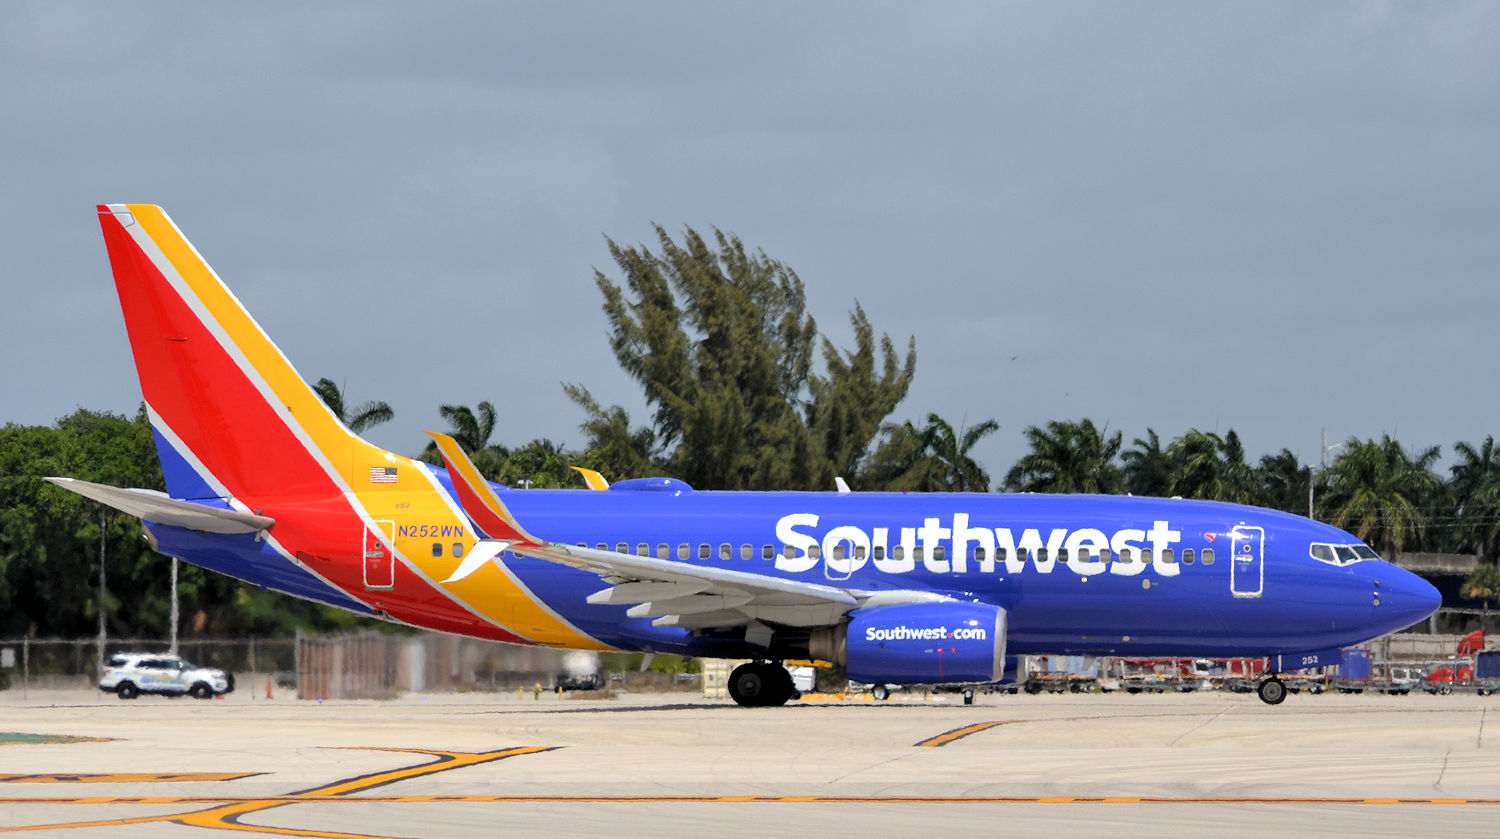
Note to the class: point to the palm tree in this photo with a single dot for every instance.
(614, 449)
(1476, 489)
(1377, 491)
(1207, 466)
(1282, 482)
(1482, 585)
(1068, 457)
(470, 430)
(952, 449)
(901, 461)
(934, 458)
(539, 464)
(360, 417)
(1148, 470)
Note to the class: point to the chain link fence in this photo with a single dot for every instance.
(366, 665)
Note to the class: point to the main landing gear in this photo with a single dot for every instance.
(1271, 690)
(761, 683)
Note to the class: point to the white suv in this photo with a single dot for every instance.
(129, 675)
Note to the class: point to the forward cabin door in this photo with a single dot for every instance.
(379, 559)
(1247, 569)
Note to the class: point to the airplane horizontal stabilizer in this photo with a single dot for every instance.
(163, 509)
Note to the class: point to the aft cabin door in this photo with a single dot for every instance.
(379, 559)
(1247, 570)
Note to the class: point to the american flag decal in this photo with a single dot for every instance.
(382, 474)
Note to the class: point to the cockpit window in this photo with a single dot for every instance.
(1341, 554)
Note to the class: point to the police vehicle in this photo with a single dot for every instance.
(129, 675)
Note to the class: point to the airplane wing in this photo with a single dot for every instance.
(678, 594)
(673, 593)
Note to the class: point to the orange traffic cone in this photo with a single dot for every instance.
(268, 688)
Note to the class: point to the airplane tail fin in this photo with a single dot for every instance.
(232, 418)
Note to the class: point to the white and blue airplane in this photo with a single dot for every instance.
(265, 484)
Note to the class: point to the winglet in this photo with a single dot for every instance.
(592, 478)
(477, 498)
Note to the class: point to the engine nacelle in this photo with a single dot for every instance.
(919, 643)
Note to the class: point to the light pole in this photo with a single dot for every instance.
(1312, 476)
(173, 636)
(103, 523)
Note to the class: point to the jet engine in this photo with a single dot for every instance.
(917, 643)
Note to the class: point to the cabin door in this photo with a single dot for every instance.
(1247, 570)
(379, 559)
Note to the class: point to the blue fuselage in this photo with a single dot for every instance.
(1108, 575)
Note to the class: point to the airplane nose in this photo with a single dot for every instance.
(1402, 598)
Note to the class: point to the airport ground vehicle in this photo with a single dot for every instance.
(128, 675)
(1471, 668)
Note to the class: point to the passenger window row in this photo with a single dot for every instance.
(726, 551)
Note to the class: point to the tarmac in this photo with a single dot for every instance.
(78, 763)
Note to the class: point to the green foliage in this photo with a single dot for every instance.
(1205, 465)
(1483, 584)
(934, 458)
(1476, 495)
(1283, 482)
(849, 403)
(49, 545)
(1148, 469)
(1068, 457)
(723, 348)
(1378, 490)
(614, 449)
(471, 429)
(540, 464)
(660, 663)
(50, 538)
(358, 418)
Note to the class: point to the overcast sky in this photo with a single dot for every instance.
(1269, 217)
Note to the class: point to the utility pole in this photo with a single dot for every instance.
(175, 621)
(103, 522)
(1323, 469)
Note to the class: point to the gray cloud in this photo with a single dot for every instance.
(1271, 217)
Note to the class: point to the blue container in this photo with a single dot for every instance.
(1355, 665)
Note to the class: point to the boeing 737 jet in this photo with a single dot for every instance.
(265, 484)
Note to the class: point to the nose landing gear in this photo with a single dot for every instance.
(1271, 690)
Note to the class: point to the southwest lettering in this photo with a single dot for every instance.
(926, 633)
(946, 547)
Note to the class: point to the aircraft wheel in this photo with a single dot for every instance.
(747, 684)
(779, 683)
(1271, 691)
(760, 684)
(880, 692)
